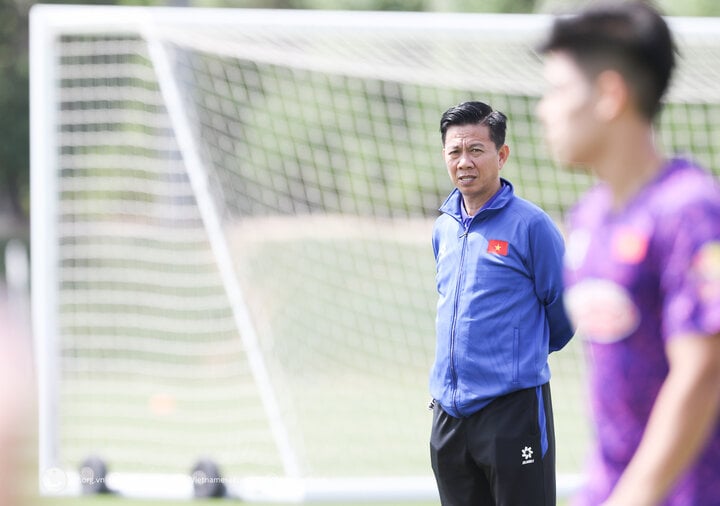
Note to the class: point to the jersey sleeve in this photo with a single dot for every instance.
(690, 275)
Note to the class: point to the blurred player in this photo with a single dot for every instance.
(642, 262)
(16, 404)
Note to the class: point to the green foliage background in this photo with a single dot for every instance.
(14, 84)
(14, 71)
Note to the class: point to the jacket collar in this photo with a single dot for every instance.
(451, 206)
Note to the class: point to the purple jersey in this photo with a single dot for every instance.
(635, 279)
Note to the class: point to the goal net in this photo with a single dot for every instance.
(231, 236)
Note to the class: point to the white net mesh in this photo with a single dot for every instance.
(318, 136)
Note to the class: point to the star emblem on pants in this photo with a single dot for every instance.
(527, 453)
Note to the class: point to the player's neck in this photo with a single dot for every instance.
(631, 163)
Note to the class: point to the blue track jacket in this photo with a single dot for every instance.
(500, 309)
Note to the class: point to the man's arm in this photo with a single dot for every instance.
(547, 249)
(683, 417)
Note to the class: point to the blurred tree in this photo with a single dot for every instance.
(14, 123)
(690, 7)
(375, 5)
(509, 6)
(668, 7)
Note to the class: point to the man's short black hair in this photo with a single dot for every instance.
(631, 38)
(475, 113)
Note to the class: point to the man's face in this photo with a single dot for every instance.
(473, 162)
(567, 111)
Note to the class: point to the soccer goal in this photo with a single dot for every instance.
(231, 253)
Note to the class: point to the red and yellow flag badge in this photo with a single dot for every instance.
(629, 245)
(706, 267)
(497, 247)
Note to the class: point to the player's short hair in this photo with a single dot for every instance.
(631, 38)
(475, 113)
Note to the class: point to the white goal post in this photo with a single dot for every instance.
(231, 216)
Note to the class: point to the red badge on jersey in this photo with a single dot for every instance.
(498, 247)
(629, 245)
(706, 268)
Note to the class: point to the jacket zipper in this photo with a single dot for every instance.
(453, 370)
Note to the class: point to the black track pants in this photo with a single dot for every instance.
(502, 455)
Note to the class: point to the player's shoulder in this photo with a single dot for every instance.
(591, 207)
(684, 185)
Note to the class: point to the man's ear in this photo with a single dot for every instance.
(613, 95)
(503, 154)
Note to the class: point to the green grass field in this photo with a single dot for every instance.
(346, 325)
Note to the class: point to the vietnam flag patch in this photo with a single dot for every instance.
(497, 247)
(629, 246)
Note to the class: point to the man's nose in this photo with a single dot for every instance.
(464, 160)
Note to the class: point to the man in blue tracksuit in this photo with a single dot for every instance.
(500, 313)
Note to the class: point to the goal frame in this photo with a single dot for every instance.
(47, 22)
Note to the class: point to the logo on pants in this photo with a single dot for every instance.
(527, 454)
